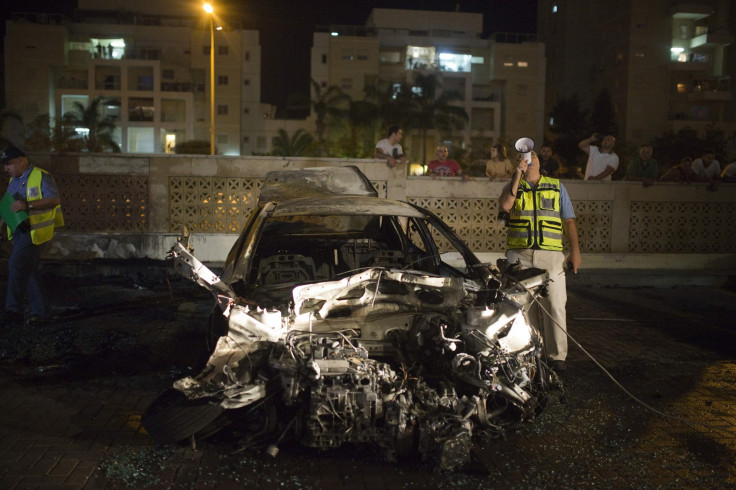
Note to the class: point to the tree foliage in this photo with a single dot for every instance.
(570, 126)
(329, 104)
(297, 145)
(100, 130)
(603, 117)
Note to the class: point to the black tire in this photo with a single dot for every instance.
(172, 417)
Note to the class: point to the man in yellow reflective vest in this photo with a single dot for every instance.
(35, 193)
(539, 211)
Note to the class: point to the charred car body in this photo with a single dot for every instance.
(339, 321)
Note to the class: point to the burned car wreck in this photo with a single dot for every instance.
(338, 320)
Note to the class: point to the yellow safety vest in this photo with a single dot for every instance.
(535, 216)
(42, 221)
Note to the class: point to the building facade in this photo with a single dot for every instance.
(500, 80)
(668, 64)
(148, 63)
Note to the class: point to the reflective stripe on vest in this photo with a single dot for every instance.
(535, 216)
(42, 221)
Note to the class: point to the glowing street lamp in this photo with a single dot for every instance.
(208, 8)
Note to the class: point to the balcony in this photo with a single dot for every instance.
(691, 10)
(711, 89)
(712, 39)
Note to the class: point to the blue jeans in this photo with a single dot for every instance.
(24, 277)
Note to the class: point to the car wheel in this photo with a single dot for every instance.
(173, 417)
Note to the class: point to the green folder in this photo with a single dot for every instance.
(11, 219)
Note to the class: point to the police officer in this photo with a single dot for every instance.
(35, 193)
(540, 209)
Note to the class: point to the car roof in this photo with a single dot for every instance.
(280, 185)
(345, 205)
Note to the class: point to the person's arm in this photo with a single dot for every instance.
(390, 161)
(585, 144)
(608, 171)
(37, 205)
(571, 230)
(508, 194)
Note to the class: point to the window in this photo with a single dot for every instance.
(222, 49)
(206, 50)
(221, 110)
(246, 111)
(681, 88)
(246, 82)
(246, 56)
(522, 64)
(246, 139)
(324, 59)
(222, 80)
(455, 62)
(420, 57)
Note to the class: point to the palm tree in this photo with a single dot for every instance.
(431, 106)
(327, 104)
(5, 116)
(100, 130)
(294, 146)
(359, 141)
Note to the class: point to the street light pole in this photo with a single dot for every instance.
(208, 8)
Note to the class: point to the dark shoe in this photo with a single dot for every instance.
(9, 317)
(558, 366)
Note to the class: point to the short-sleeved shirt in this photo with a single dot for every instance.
(637, 169)
(394, 150)
(597, 162)
(706, 173)
(499, 170)
(17, 186)
(730, 170)
(448, 168)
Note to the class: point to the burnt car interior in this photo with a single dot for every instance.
(298, 249)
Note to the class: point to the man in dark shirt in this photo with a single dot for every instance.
(549, 167)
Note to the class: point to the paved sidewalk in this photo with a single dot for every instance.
(71, 408)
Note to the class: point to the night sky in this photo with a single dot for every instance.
(286, 28)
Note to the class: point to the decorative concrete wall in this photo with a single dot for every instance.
(121, 206)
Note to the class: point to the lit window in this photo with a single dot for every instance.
(639, 54)
(477, 60)
(681, 88)
(508, 63)
(554, 9)
(522, 64)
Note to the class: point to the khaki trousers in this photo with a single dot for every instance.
(554, 328)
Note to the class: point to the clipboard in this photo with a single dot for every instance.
(11, 219)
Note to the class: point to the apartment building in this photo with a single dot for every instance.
(148, 62)
(668, 64)
(501, 80)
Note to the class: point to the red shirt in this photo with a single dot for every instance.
(448, 168)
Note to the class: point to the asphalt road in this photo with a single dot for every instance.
(649, 402)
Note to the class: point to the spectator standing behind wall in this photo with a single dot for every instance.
(444, 167)
(548, 165)
(729, 173)
(707, 169)
(389, 148)
(643, 167)
(499, 166)
(603, 162)
(682, 172)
